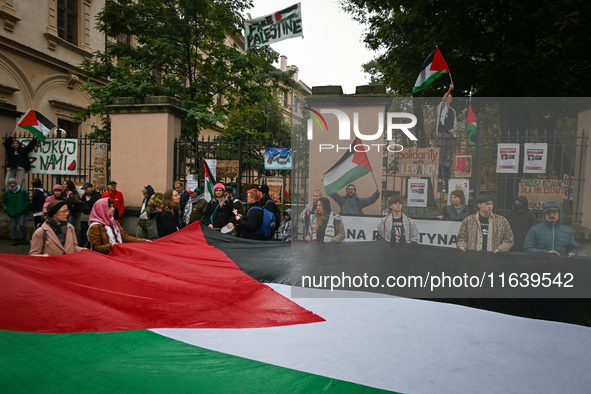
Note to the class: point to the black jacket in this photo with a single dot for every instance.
(86, 206)
(218, 216)
(168, 222)
(39, 196)
(251, 223)
(22, 156)
(520, 223)
(449, 212)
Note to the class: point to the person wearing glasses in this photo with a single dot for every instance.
(55, 236)
(350, 203)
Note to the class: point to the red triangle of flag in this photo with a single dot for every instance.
(30, 119)
(360, 157)
(438, 62)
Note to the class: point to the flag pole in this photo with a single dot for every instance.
(374, 179)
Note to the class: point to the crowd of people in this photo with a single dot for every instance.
(165, 213)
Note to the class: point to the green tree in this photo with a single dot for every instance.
(496, 48)
(264, 118)
(180, 49)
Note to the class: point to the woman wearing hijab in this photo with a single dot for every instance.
(396, 227)
(328, 225)
(55, 236)
(103, 230)
(57, 194)
(170, 219)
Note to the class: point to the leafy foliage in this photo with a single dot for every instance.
(180, 49)
(495, 48)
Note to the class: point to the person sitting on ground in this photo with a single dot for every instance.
(328, 225)
(350, 203)
(219, 210)
(251, 223)
(195, 206)
(103, 230)
(551, 236)
(286, 226)
(15, 202)
(485, 230)
(396, 226)
(521, 220)
(457, 210)
(170, 219)
(57, 194)
(55, 236)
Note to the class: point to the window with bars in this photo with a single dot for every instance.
(71, 128)
(67, 20)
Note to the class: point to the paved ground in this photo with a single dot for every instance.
(6, 247)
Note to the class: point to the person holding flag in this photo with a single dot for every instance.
(445, 131)
(17, 157)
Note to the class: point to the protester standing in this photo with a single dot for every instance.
(17, 158)
(396, 227)
(89, 198)
(39, 196)
(117, 198)
(15, 203)
(521, 220)
(55, 236)
(328, 225)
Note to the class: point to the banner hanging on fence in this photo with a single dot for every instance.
(278, 159)
(99, 165)
(507, 158)
(535, 158)
(541, 191)
(55, 156)
(275, 27)
(464, 166)
(419, 162)
(417, 192)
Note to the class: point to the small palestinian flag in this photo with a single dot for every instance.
(353, 165)
(433, 67)
(209, 182)
(471, 129)
(37, 124)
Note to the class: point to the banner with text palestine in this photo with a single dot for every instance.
(274, 27)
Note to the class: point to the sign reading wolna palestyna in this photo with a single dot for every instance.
(274, 27)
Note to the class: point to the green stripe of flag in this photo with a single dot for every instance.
(429, 81)
(142, 362)
(351, 175)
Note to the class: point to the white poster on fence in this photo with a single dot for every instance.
(431, 232)
(569, 187)
(56, 156)
(417, 192)
(508, 158)
(458, 184)
(535, 158)
(192, 181)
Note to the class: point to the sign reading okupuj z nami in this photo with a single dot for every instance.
(274, 27)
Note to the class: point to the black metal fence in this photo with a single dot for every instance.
(249, 154)
(566, 151)
(84, 164)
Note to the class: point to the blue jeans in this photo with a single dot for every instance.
(20, 220)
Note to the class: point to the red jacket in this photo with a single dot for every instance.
(117, 198)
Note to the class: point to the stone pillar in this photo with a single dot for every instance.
(142, 145)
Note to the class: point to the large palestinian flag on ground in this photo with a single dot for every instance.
(185, 314)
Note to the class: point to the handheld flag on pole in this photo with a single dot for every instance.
(37, 124)
(471, 128)
(433, 67)
(353, 165)
(209, 182)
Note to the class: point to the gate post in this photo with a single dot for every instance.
(142, 144)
